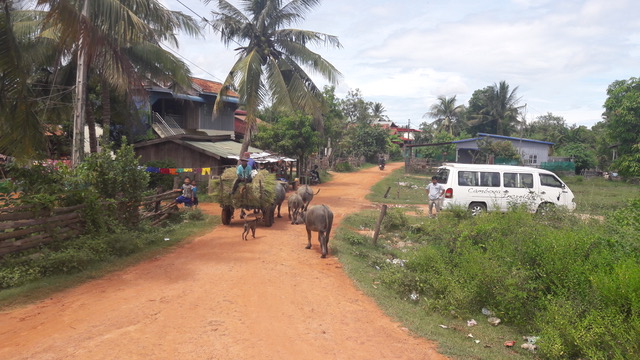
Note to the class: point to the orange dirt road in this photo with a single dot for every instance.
(218, 297)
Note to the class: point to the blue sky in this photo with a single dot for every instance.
(562, 55)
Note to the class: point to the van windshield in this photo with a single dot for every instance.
(443, 176)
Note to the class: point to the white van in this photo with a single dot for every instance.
(481, 187)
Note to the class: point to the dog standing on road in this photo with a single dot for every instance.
(250, 225)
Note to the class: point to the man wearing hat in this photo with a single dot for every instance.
(244, 174)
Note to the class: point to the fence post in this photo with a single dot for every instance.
(383, 212)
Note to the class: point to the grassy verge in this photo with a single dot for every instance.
(597, 196)
(405, 189)
(573, 283)
(155, 246)
(370, 268)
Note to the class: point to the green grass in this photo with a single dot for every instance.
(597, 196)
(405, 189)
(360, 258)
(45, 287)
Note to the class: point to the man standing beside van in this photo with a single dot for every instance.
(435, 192)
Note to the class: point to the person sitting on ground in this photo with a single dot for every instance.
(244, 174)
(187, 193)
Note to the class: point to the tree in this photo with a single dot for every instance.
(377, 112)
(291, 135)
(495, 109)
(271, 57)
(582, 155)
(367, 140)
(622, 114)
(548, 127)
(446, 114)
(113, 37)
(21, 130)
(356, 108)
(498, 149)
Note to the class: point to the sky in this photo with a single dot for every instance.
(560, 54)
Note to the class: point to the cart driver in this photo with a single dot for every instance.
(244, 174)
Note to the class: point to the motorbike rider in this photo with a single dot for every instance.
(315, 175)
(381, 161)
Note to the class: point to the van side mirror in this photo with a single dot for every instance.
(564, 186)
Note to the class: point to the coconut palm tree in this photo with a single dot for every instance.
(105, 34)
(377, 112)
(21, 131)
(446, 114)
(500, 109)
(271, 57)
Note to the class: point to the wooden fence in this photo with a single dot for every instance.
(25, 227)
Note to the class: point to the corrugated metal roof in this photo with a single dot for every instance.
(225, 149)
(481, 135)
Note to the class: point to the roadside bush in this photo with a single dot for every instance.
(395, 220)
(343, 167)
(574, 283)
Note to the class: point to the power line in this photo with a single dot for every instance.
(194, 64)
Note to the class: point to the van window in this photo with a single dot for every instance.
(526, 181)
(443, 176)
(510, 180)
(550, 180)
(467, 178)
(490, 179)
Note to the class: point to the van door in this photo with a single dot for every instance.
(518, 189)
(552, 190)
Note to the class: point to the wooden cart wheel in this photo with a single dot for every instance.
(227, 212)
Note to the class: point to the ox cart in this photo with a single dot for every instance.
(256, 196)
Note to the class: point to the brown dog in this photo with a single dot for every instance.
(250, 223)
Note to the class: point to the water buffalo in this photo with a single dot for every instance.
(295, 204)
(306, 193)
(319, 218)
(280, 195)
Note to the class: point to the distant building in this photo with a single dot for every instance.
(532, 152)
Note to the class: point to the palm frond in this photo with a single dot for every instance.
(311, 60)
(278, 85)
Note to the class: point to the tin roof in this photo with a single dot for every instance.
(483, 135)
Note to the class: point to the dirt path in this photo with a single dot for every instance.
(218, 297)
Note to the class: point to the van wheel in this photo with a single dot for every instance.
(477, 208)
(545, 209)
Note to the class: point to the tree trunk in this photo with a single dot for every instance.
(91, 124)
(106, 116)
(77, 152)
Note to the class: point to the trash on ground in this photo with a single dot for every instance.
(531, 339)
(166, 239)
(476, 341)
(471, 322)
(396, 262)
(443, 326)
(529, 347)
(487, 312)
(494, 321)
(470, 335)
(509, 343)
(414, 296)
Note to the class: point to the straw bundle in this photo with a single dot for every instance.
(257, 194)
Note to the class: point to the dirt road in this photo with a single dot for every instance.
(218, 297)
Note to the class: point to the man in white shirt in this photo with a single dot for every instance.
(435, 192)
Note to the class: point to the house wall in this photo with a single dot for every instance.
(224, 121)
(533, 154)
(182, 156)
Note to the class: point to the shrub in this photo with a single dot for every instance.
(343, 167)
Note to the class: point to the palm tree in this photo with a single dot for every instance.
(377, 112)
(500, 109)
(104, 35)
(271, 57)
(22, 134)
(446, 114)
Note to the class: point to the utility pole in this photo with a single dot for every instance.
(79, 107)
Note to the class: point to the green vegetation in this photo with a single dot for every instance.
(405, 189)
(572, 282)
(31, 276)
(598, 196)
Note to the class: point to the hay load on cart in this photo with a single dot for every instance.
(259, 195)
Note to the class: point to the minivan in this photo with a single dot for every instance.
(481, 187)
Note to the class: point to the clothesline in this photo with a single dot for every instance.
(175, 171)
